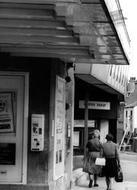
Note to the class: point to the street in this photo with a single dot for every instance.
(129, 166)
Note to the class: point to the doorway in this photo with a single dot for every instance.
(13, 127)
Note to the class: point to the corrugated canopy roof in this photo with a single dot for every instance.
(72, 30)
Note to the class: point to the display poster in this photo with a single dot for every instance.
(7, 112)
(76, 138)
(59, 128)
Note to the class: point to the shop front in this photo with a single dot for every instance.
(35, 124)
(102, 114)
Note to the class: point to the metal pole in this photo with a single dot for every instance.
(86, 123)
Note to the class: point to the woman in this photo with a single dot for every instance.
(93, 151)
(110, 152)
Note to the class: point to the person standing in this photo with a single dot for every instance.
(93, 149)
(111, 154)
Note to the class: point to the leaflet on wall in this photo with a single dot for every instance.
(59, 128)
(7, 112)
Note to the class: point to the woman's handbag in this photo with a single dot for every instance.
(119, 175)
(100, 161)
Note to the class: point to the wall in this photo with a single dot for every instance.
(63, 182)
(59, 184)
(69, 128)
(39, 97)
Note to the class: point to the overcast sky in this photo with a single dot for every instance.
(129, 9)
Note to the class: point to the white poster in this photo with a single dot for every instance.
(7, 111)
(76, 138)
(59, 128)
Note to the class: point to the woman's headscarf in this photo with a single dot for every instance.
(96, 133)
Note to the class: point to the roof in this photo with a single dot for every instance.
(72, 30)
(134, 104)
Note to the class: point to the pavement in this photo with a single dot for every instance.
(81, 181)
(129, 167)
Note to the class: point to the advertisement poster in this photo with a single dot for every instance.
(6, 112)
(59, 128)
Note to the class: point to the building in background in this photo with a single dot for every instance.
(130, 113)
(42, 42)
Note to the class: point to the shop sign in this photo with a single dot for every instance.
(81, 123)
(96, 105)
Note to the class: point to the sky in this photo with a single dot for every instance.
(129, 9)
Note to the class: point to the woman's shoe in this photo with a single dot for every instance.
(90, 183)
(96, 185)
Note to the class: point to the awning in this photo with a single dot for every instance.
(102, 85)
(80, 31)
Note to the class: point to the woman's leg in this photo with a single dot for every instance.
(108, 182)
(110, 185)
(90, 179)
(95, 180)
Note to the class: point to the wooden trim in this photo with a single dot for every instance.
(29, 1)
(25, 135)
(25, 121)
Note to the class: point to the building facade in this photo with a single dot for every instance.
(35, 124)
(130, 109)
(41, 44)
(106, 88)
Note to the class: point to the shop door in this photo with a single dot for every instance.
(11, 128)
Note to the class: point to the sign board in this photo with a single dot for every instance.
(81, 123)
(96, 105)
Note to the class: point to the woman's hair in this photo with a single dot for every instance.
(109, 137)
(96, 133)
(91, 135)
